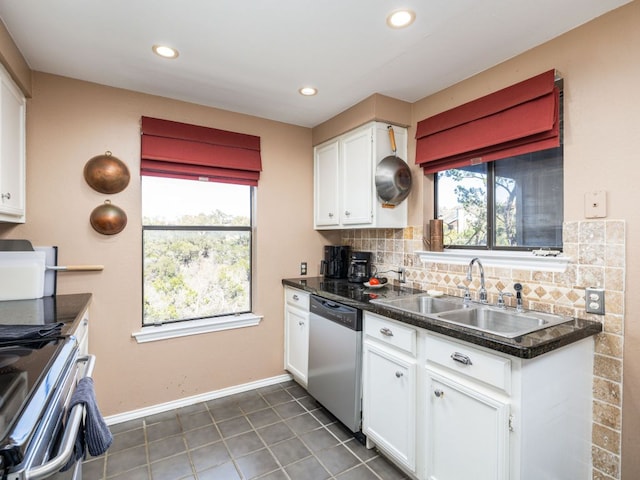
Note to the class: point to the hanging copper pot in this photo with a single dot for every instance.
(108, 219)
(106, 174)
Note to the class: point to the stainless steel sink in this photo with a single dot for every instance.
(421, 304)
(508, 324)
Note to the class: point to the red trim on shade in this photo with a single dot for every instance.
(520, 119)
(178, 150)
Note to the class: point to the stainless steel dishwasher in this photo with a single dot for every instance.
(335, 360)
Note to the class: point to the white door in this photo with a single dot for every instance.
(389, 403)
(357, 177)
(326, 178)
(297, 343)
(467, 434)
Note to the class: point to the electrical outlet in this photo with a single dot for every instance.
(594, 300)
(303, 268)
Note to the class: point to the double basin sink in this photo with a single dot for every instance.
(486, 318)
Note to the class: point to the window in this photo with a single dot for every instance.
(196, 249)
(513, 203)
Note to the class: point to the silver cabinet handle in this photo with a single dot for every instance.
(386, 332)
(399, 374)
(347, 213)
(6, 195)
(438, 393)
(330, 215)
(462, 358)
(301, 323)
(296, 297)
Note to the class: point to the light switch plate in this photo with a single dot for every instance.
(595, 204)
(594, 300)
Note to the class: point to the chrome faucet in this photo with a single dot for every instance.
(482, 293)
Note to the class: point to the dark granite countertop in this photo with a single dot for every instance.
(60, 308)
(526, 346)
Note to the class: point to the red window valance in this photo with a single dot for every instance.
(179, 150)
(522, 118)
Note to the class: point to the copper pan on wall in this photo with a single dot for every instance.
(108, 219)
(106, 174)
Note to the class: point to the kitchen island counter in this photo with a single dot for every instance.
(526, 346)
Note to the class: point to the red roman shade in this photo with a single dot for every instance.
(522, 118)
(179, 150)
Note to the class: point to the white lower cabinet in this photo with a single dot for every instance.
(445, 409)
(296, 334)
(389, 389)
(467, 432)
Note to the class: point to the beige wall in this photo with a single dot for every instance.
(71, 121)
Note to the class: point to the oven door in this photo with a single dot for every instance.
(54, 440)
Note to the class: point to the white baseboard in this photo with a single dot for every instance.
(185, 402)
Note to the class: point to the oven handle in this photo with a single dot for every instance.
(70, 433)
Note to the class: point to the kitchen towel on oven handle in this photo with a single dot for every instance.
(94, 433)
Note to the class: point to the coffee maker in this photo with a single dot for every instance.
(360, 267)
(336, 261)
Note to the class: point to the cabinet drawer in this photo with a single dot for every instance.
(390, 332)
(469, 361)
(297, 297)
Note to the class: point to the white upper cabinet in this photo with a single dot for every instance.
(344, 179)
(12, 150)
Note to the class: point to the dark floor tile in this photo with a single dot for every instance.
(337, 459)
(172, 468)
(309, 403)
(235, 426)
(126, 426)
(126, 460)
(264, 417)
(252, 404)
(196, 420)
(296, 391)
(225, 412)
(359, 473)
(243, 444)
(140, 473)
(307, 469)
(289, 409)
(340, 431)
(256, 464)
(226, 471)
(202, 436)
(319, 439)
(160, 417)
(323, 416)
(209, 456)
(166, 447)
(128, 439)
(191, 409)
(277, 397)
(360, 451)
(277, 475)
(385, 469)
(275, 433)
(303, 423)
(290, 451)
(269, 388)
(166, 428)
(93, 469)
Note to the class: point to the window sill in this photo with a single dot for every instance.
(195, 327)
(517, 260)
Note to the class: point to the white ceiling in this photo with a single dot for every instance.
(252, 56)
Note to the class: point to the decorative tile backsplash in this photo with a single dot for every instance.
(597, 252)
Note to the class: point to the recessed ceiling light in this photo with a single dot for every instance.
(165, 52)
(401, 18)
(308, 91)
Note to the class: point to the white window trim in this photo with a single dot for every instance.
(497, 258)
(153, 333)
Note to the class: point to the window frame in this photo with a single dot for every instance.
(215, 321)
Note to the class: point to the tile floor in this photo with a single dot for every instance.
(273, 433)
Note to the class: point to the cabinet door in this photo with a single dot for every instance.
(12, 148)
(389, 403)
(467, 434)
(357, 178)
(326, 190)
(296, 349)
